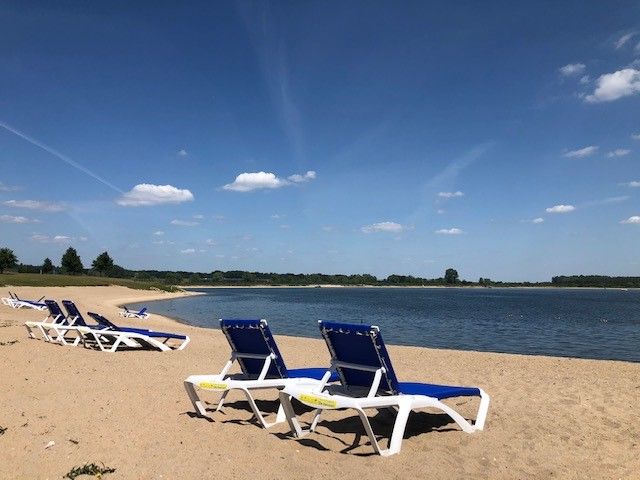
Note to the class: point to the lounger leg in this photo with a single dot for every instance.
(481, 417)
(459, 419)
(195, 400)
(257, 412)
(222, 399)
(292, 419)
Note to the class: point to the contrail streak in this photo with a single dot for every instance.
(62, 157)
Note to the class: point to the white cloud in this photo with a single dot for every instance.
(624, 39)
(285, 226)
(198, 216)
(572, 69)
(36, 205)
(218, 217)
(613, 86)
(182, 153)
(328, 228)
(538, 220)
(582, 152)
(188, 250)
(635, 136)
(83, 239)
(618, 152)
(8, 188)
(276, 216)
(247, 182)
(18, 219)
(146, 194)
(449, 231)
(585, 79)
(633, 183)
(632, 220)
(48, 239)
(383, 227)
(297, 178)
(450, 194)
(159, 233)
(607, 201)
(210, 241)
(561, 209)
(184, 223)
(440, 211)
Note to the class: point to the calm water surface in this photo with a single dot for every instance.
(602, 324)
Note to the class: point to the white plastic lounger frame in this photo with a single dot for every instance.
(336, 397)
(224, 383)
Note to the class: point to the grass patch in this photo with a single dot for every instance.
(89, 469)
(39, 280)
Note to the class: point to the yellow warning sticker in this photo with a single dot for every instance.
(213, 385)
(317, 401)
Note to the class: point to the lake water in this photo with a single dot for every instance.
(586, 323)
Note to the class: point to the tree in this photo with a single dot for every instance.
(8, 259)
(103, 263)
(451, 276)
(47, 266)
(71, 262)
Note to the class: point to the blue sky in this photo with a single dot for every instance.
(335, 137)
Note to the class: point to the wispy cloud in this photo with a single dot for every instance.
(183, 153)
(36, 205)
(392, 227)
(538, 220)
(146, 194)
(250, 181)
(59, 155)
(8, 188)
(560, 209)
(607, 201)
(449, 231)
(618, 152)
(572, 69)
(632, 220)
(581, 152)
(635, 136)
(450, 194)
(623, 40)
(158, 233)
(184, 223)
(51, 239)
(17, 219)
(633, 183)
(612, 86)
(188, 250)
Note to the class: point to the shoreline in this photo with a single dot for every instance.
(147, 428)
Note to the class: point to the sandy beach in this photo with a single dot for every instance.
(549, 417)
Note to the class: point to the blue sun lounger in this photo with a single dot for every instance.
(368, 381)
(56, 318)
(126, 313)
(16, 302)
(130, 337)
(255, 350)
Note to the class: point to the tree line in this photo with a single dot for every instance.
(104, 265)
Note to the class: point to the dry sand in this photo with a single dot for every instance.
(549, 417)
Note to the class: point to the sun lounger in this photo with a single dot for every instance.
(368, 381)
(126, 313)
(109, 337)
(55, 318)
(255, 350)
(17, 302)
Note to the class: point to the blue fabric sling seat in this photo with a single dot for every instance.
(368, 381)
(107, 324)
(255, 350)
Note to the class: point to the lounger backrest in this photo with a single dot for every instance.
(103, 321)
(254, 337)
(54, 309)
(73, 312)
(141, 312)
(359, 345)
